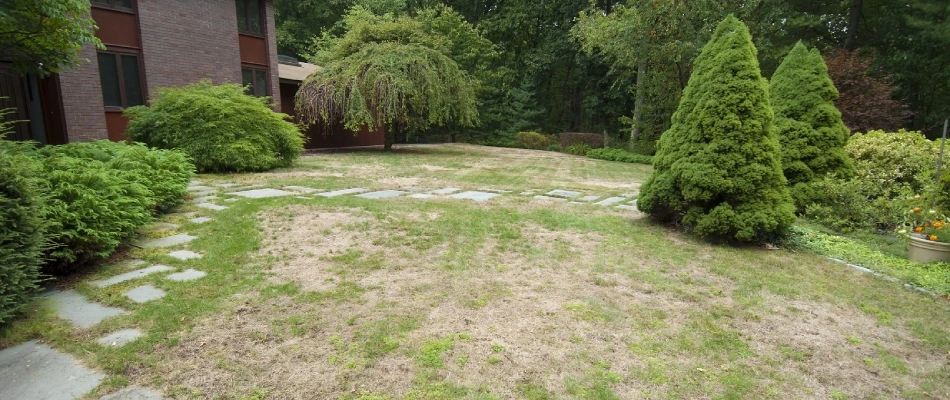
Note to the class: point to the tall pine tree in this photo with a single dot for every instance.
(809, 126)
(717, 168)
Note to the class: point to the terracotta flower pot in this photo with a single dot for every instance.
(923, 250)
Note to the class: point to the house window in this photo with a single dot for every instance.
(250, 17)
(256, 81)
(121, 79)
(116, 4)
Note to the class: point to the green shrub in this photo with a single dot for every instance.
(578, 149)
(220, 127)
(621, 155)
(533, 140)
(809, 126)
(22, 226)
(893, 164)
(943, 190)
(717, 169)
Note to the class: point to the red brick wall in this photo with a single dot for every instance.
(82, 100)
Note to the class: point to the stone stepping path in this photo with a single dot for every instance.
(73, 307)
(475, 195)
(343, 192)
(610, 201)
(383, 194)
(445, 191)
(145, 293)
(421, 196)
(199, 220)
(134, 393)
(184, 255)
(33, 370)
(128, 276)
(564, 193)
(120, 338)
(549, 198)
(167, 241)
(186, 275)
(302, 189)
(262, 193)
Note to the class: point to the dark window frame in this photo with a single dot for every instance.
(254, 69)
(123, 98)
(114, 5)
(261, 12)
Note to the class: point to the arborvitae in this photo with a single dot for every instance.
(809, 126)
(717, 168)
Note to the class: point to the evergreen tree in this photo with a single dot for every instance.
(809, 126)
(717, 168)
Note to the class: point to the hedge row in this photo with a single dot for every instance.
(614, 154)
(62, 206)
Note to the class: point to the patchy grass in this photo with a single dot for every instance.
(435, 299)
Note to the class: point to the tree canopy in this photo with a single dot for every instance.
(44, 36)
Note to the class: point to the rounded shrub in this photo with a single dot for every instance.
(893, 164)
(533, 140)
(22, 226)
(717, 169)
(219, 126)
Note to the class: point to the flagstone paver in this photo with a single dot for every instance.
(302, 189)
(73, 307)
(445, 191)
(128, 276)
(134, 393)
(167, 241)
(564, 193)
(184, 254)
(549, 198)
(416, 189)
(474, 195)
(33, 370)
(186, 275)
(262, 193)
(145, 293)
(120, 338)
(382, 194)
(211, 206)
(342, 192)
(200, 220)
(610, 201)
(421, 196)
(205, 199)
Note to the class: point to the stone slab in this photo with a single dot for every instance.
(144, 294)
(211, 206)
(262, 193)
(120, 338)
(201, 188)
(200, 220)
(589, 198)
(167, 241)
(134, 393)
(421, 196)
(128, 276)
(549, 198)
(160, 226)
(610, 201)
(474, 195)
(302, 189)
(205, 199)
(342, 192)
(564, 193)
(73, 307)
(445, 191)
(186, 275)
(494, 190)
(133, 264)
(33, 370)
(416, 189)
(184, 254)
(382, 194)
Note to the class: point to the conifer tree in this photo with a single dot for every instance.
(717, 169)
(810, 131)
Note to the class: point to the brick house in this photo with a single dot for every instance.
(149, 44)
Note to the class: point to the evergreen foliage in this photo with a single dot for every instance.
(893, 164)
(717, 169)
(809, 126)
(44, 36)
(220, 127)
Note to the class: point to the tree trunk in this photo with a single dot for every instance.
(854, 19)
(638, 104)
(390, 136)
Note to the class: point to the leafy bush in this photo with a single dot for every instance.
(592, 140)
(578, 149)
(621, 155)
(892, 164)
(220, 127)
(717, 169)
(533, 140)
(942, 195)
(22, 226)
(809, 126)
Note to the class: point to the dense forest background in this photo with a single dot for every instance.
(620, 66)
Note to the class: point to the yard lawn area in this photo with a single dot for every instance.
(347, 297)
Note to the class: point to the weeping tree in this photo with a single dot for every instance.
(717, 170)
(387, 72)
(809, 126)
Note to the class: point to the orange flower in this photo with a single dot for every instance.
(933, 238)
(938, 224)
(919, 229)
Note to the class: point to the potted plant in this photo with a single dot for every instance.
(929, 234)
